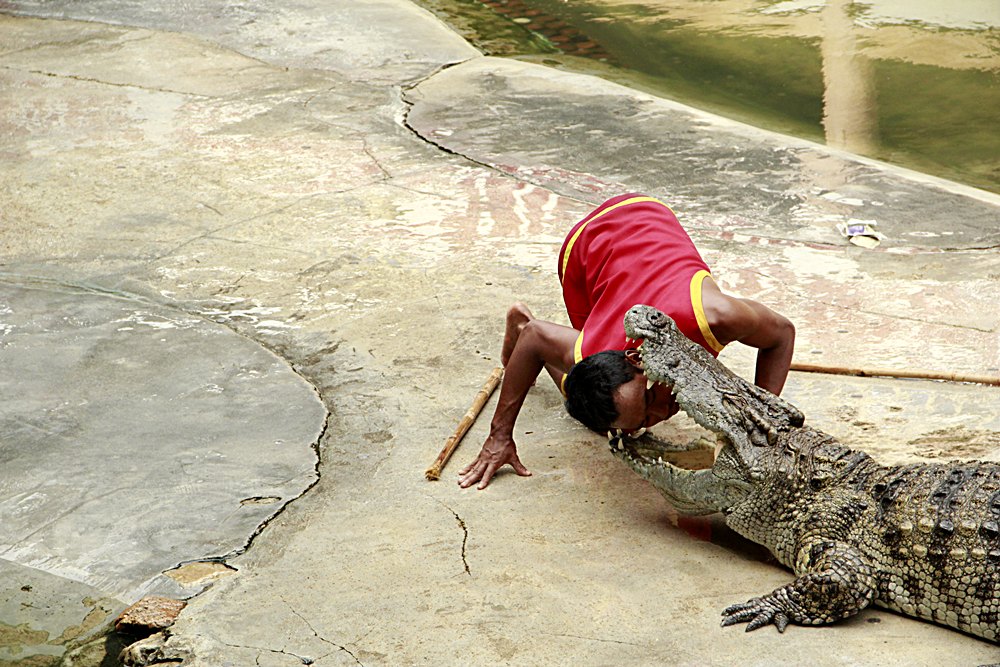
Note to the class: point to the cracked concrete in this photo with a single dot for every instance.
(465, 537)
(351, 190)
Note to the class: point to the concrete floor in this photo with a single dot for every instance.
(324, 209)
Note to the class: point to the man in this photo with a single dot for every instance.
(629, 250)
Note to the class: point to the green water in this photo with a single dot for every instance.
(922, 96)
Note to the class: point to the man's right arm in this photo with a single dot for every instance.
(540, 345)
(756, 325)
(774, 352)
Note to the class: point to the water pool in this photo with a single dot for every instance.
(911, 82)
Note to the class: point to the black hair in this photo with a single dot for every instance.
(590, 388)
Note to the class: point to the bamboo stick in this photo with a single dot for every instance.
(885, 372)
(450, 445)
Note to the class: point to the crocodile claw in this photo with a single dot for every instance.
(757, 613)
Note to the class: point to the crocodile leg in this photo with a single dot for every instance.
(760, 429)
(835, 581)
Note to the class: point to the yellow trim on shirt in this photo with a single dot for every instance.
(562, 385)
(572, 240)
(578, 349)
(699, 310)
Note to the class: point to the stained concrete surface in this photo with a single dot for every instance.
(327, 184)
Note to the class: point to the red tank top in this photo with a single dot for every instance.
(631, 250)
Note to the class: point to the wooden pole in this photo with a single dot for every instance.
(450, 445)
(885, 372)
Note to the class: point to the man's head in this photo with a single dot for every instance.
(608, 390)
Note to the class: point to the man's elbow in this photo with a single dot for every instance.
(775, 360)
(787, 332)
(535, 340)
(776, 338)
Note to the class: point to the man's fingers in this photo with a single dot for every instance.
(482, 470)
(471, 473)
(468, 481)
(519, 468)
(487, 476)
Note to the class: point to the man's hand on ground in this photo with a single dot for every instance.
(492, 457)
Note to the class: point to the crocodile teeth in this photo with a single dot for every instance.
(649, 383)
(639, 432)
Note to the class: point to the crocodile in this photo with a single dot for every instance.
(921, 539)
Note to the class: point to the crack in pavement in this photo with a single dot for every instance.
(211, 233)
(87, 79)
(318, 635)
(368, 151)
(596, 639)
(465, 534)
(305, 660)
(315, 446)
(977, 249)
(404, 121)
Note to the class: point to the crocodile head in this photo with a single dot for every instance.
(664, 349)
(746, 419)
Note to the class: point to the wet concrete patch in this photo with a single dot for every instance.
(593, 139)
(132, 434)
(42, 615)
